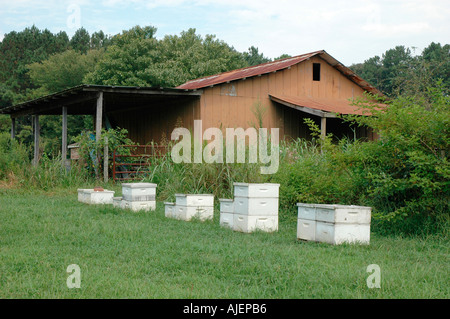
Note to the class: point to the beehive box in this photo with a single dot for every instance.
(169, 209)
(198, 200)
(306, 229)
(139, 192)
(226, 205)
(90, 196)
(257, 206)
(187, 213)
(117, 202)
(334, 224)
(138, 205)
(226, 220)
(226, 212)
(342, 233)
(249, 224)
(267, 190)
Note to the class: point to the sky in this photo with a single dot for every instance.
(351, 31)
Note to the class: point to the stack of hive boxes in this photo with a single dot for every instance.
(334, 224)
(137, 196)
(188, 206)
(255, 207)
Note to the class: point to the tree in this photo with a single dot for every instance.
(126, 59)
(17, 50)
(283, 56)
(136, 58)
(99, 40)
(253, 57)
(63, 70)
(190, 56)
(81, 40)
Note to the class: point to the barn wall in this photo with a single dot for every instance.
(232, 104)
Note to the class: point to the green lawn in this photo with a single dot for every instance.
(123, 254)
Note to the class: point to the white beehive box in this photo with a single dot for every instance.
(139, 205)
(349, 214)
(256, 189)
(117, 202)
(226, 205)
(189, 212)
(306, 229)
(226, 212)
(89, 196)
(342, 233)
(248, 224)
(334, 224)
(306, 211)
(226, 220)
(82, 196)
(201, 200)
(139, 191)
(256, 206)
(169, 209)
(343, 214)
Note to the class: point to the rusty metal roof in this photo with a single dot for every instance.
(274, 66)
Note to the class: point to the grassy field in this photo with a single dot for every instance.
(123, 254)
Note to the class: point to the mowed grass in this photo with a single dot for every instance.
(123, 254)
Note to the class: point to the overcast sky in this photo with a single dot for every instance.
(351, 31)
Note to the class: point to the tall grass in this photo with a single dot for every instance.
(17, 171)
(200, 178)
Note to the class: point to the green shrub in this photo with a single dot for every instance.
(91, 150)
(13, 156)
(406, 171)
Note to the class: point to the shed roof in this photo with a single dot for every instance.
(317, 106)
(274, 66)
(81, 99)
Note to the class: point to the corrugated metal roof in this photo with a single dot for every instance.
(246, 72)
(323, 105)
(274, 66)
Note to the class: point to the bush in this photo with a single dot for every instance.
(13, 156)
(91, 150)
(406, 171)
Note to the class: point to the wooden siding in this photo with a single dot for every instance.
(232, 104)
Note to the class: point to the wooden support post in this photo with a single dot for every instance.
(105, 160)
(64, 136)
(37, 130)
(323, 127)
(99, 116)
(13, 128)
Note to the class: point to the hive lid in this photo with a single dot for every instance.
(226, 200)
(183, 195)
(139, 185)
(333, 206)
(247, 184)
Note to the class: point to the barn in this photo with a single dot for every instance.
(313, 85)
